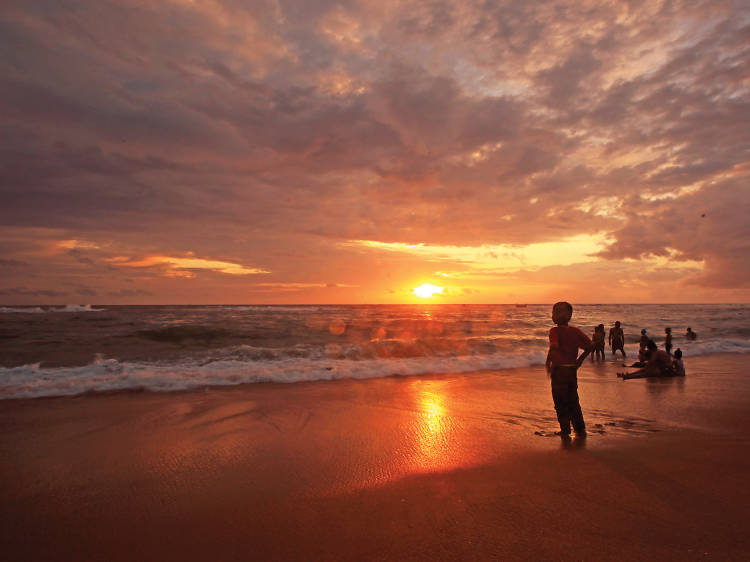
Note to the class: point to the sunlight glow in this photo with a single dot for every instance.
(501, 258)
(426, 290)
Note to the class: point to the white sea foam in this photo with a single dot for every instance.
(39, 309)
(78, 308)
(31, 381)
(707, 347)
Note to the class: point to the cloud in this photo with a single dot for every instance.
(184, 266)
(130, 293)
(86, 291)
(274, 131)
(286, 287)
(485, 259)
(705, 225)
(28, 292)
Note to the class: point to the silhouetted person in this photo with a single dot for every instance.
(677, 365)
(658, 364)
(643, 355)
(617, 339)
(598, 339)
(562, 365)
(690, 334)
(644, 339)
(668, 340)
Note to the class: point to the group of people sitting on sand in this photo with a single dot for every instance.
(655, 362)
(652, 361)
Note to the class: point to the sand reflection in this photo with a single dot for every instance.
(434, 423)
(438, 444)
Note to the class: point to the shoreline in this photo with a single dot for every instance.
(436, 467)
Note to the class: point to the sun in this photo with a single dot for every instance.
(426, 291)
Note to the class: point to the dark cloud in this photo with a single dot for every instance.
(703, 225)
(80, 256)
(27, 292)
(570, 78)
(86, 292)
(130, 293)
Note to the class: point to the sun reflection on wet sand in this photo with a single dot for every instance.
(432, 405)
(438, 444)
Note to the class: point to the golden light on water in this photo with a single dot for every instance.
(427, 290)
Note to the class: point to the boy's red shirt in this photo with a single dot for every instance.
(564, 343)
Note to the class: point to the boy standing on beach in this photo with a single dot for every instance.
(562, 366)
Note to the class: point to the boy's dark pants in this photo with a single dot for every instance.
(565, 396)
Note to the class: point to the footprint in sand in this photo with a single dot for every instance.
(544, 434)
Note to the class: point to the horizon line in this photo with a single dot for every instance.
(381, 304)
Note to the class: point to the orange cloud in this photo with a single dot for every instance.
(286, 287)
(77, 244)
(499, 258)
(180, 267)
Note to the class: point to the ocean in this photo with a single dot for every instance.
(75, 349)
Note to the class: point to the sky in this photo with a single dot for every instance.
(315, 151)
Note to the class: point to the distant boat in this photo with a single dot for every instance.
(521, 306)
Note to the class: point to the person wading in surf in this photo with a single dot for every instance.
(617, 339)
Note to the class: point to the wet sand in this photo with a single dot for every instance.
(444, 467)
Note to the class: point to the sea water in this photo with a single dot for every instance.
(55, 351)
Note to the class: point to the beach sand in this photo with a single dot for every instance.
(443, 467)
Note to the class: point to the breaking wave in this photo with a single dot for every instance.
(39, 309)
(106, 375)
(714, 346)
(247, 364)
(78, 308)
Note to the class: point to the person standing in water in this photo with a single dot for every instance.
(617, 339)
(598, 339)
(562, 366)
(644, 339)
(668, 340)
(690, 334)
